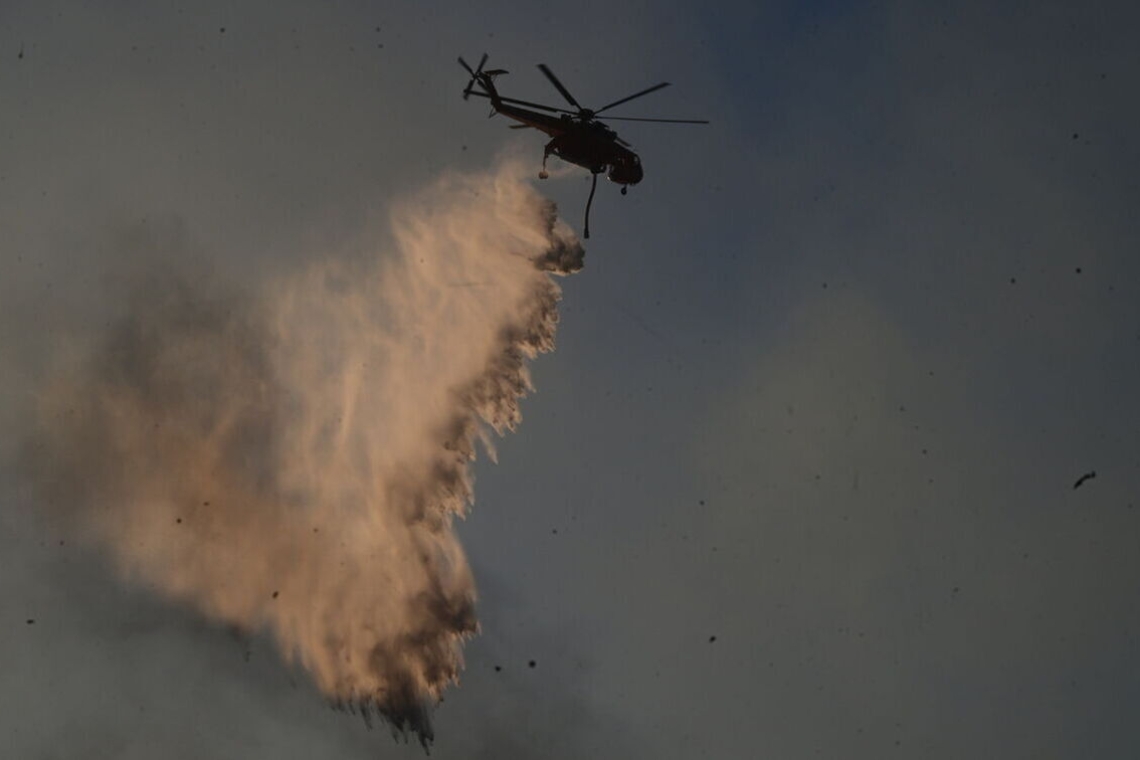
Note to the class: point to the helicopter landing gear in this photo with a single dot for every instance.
(543, 174)
(624, 189)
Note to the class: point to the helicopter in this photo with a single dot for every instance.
(577, 136)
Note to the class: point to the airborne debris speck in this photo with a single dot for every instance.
(1087, 476)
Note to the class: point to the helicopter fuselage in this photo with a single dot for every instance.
(577, 136)
(589, 144)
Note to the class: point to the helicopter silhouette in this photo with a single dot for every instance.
(577, 137)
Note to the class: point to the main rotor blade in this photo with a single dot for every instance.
(663, 121)
(626, 99)
(463, 63)
(482, 61)
(558, 85)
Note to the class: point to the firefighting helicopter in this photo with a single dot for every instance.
(576, 136)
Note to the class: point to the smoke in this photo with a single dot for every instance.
(292, 458)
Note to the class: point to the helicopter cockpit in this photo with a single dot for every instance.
(626, 171)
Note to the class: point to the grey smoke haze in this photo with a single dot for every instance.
(822, 391)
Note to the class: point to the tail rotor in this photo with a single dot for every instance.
(475, 73)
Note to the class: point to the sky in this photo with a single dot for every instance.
(798, 480)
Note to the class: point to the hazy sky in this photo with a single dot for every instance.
(798, 480)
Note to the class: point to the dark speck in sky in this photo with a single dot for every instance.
(1087, 476)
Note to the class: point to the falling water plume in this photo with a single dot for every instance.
(292, 458)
